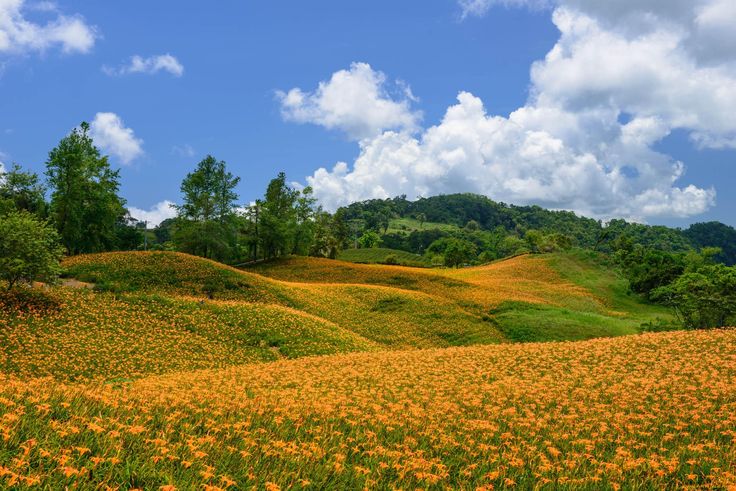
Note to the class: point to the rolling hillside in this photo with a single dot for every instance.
(158, 378)
(160, 312)
(562, 296)
(381, 255)
(655, 411)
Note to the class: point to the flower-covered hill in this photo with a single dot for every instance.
(160, 312)
(552, 297)
(390, 315)
(154, 313)
(78, 334)
(655, 411)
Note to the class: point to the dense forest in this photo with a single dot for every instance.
(497, 229)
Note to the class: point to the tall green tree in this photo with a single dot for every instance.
(304, 215)
(278, 218)
(207, 218)
(20, 190)
(252, 229)
(330, 235)
(85, 206)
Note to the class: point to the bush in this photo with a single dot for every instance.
(369, 239)
(391, 259)
(702, 299)
(30, 249)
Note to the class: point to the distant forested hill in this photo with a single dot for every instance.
(413, 226)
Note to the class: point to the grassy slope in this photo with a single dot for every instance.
(522, 322)
(155, 317)
(639, 412)
(407, 225)
(379, 255)
(563, 296)
(570, 415)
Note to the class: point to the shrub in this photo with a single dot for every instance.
(391, 259)
(29, 249)
(702, 299)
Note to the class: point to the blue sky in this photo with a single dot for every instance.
(224, 89)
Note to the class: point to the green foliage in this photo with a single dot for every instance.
(304, 222)
(472, 225)
(415, 225)
(129, 234)
(512, 245)
(206, 219)
(85, 206)
(714, 234)
(22, 191)
(391, 259)
(538, 242)
(278, 218)
(649, 269)
(328, 236)
(524, 322)
(369, 240)
(459, 252)
(29, 249)
(382, 255)
(208, 239)
(455, 252)
(703, 298)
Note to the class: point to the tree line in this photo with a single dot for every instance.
(84, 213)
(690, 270)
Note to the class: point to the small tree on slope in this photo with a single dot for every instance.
(29, 249)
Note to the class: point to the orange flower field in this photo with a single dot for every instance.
(648, 411)
(176, 373)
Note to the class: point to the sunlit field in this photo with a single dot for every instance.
(649, 411)
(172, 372)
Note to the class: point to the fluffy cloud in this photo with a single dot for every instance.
(481, 7)
(157, 214)
(621, 77)
(110, 134)
(358, 101)
(150, 65)
(503, 158)
(18, 34)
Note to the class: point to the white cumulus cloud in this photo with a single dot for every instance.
(156, 214)
(357, 101)
(110, 133)
(150, 65)
(621, 77)
(18, 34)
(471, 151)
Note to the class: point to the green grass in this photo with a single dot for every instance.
(172, 273)
(597, 273)
(523, 322)
(408, 225)
(379, 255)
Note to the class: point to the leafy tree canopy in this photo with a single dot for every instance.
(29, 249)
